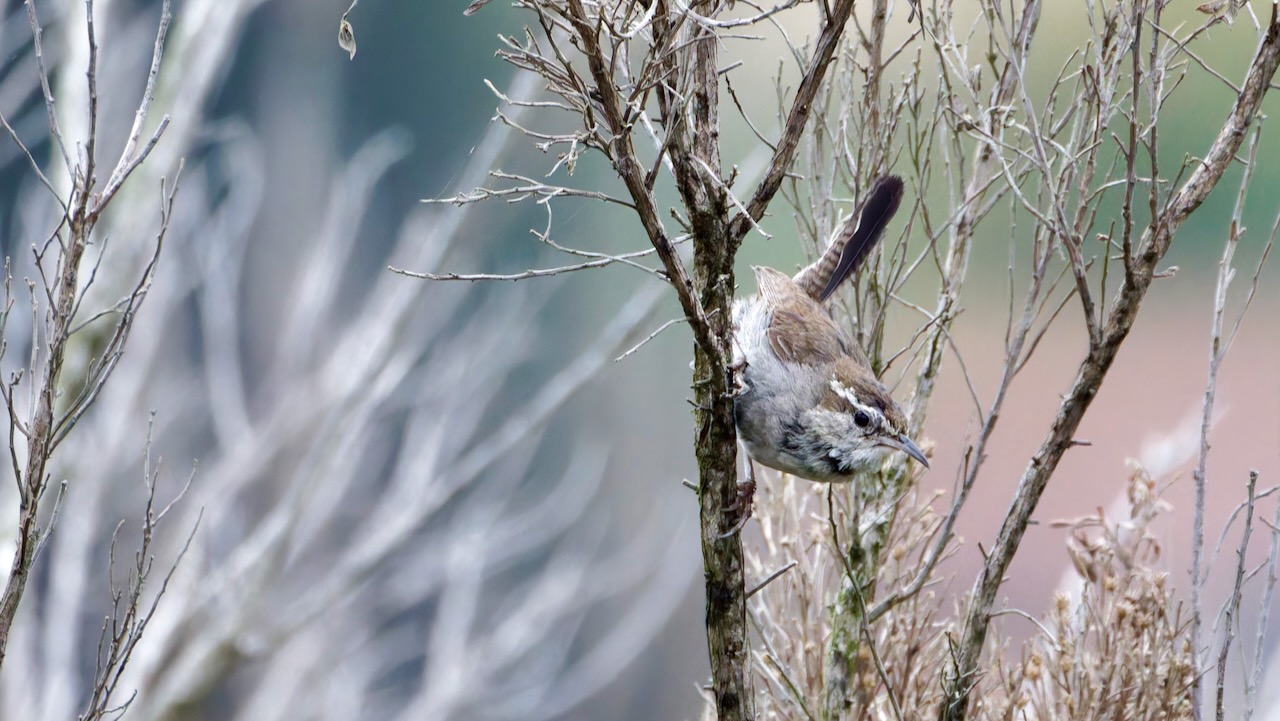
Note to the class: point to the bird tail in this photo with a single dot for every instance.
(856, 240)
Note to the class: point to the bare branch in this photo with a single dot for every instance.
(1233, 601)
(55, 130)
(1218, 347)
(797, 120)
(48, 422)
(533, 273)
(131, 157)
(649, 337)
(35, 167)
(1124, 310)
(628, 167)
(1254, 678)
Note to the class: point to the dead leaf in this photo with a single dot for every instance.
(347, 34)
(347, 37)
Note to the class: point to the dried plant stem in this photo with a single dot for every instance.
(986, 168)
(626, 162)
(650, 67)
(1218, 347)
(39, 433)
(47, 424)
(709, 317)
(1264, 615)
(1093, 369)
(693, 128)
(131, 613)
(847, 616)
(849, 607)
(1233, 602)
(797, 117)
(876, 498)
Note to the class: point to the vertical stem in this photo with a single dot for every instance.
(40, 429)
(869, 527)
(968, 648)
(716, 439)
(1218, 346)
(722, 558)
(1233, 602)
(875, 153)
(875, 494)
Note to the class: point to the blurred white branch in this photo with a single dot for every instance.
(367, 491)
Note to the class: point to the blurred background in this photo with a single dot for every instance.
(422, 499)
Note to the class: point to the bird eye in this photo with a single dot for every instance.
(862, 419)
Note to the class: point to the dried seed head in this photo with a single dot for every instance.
(1034, 667)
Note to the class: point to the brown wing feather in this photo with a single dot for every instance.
(800, 330)
(798, 340)
(774, 285)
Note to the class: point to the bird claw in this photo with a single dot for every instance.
(742, 505)
(739, 371)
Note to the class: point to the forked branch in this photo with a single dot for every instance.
(1093, 369)
(62, 286)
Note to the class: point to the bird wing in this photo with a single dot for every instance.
(800, 330)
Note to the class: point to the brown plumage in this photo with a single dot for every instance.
(800, 330)
(868, 390)
(810, 404)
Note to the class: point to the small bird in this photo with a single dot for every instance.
(808, 402)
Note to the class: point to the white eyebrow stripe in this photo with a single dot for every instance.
(846, 393)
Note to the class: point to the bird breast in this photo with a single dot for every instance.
(774, 392)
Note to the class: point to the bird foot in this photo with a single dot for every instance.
(742, 505)
(739, 371)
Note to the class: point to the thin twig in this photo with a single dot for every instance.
(1218, 347)
(1253, 679)
(650, 337)
(1165, 225)
(1233, 603)
(770, 579)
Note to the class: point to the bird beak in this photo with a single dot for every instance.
(904, 444)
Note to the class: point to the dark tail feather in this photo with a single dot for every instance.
(858, 237)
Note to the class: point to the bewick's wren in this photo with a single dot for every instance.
(809, 403)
